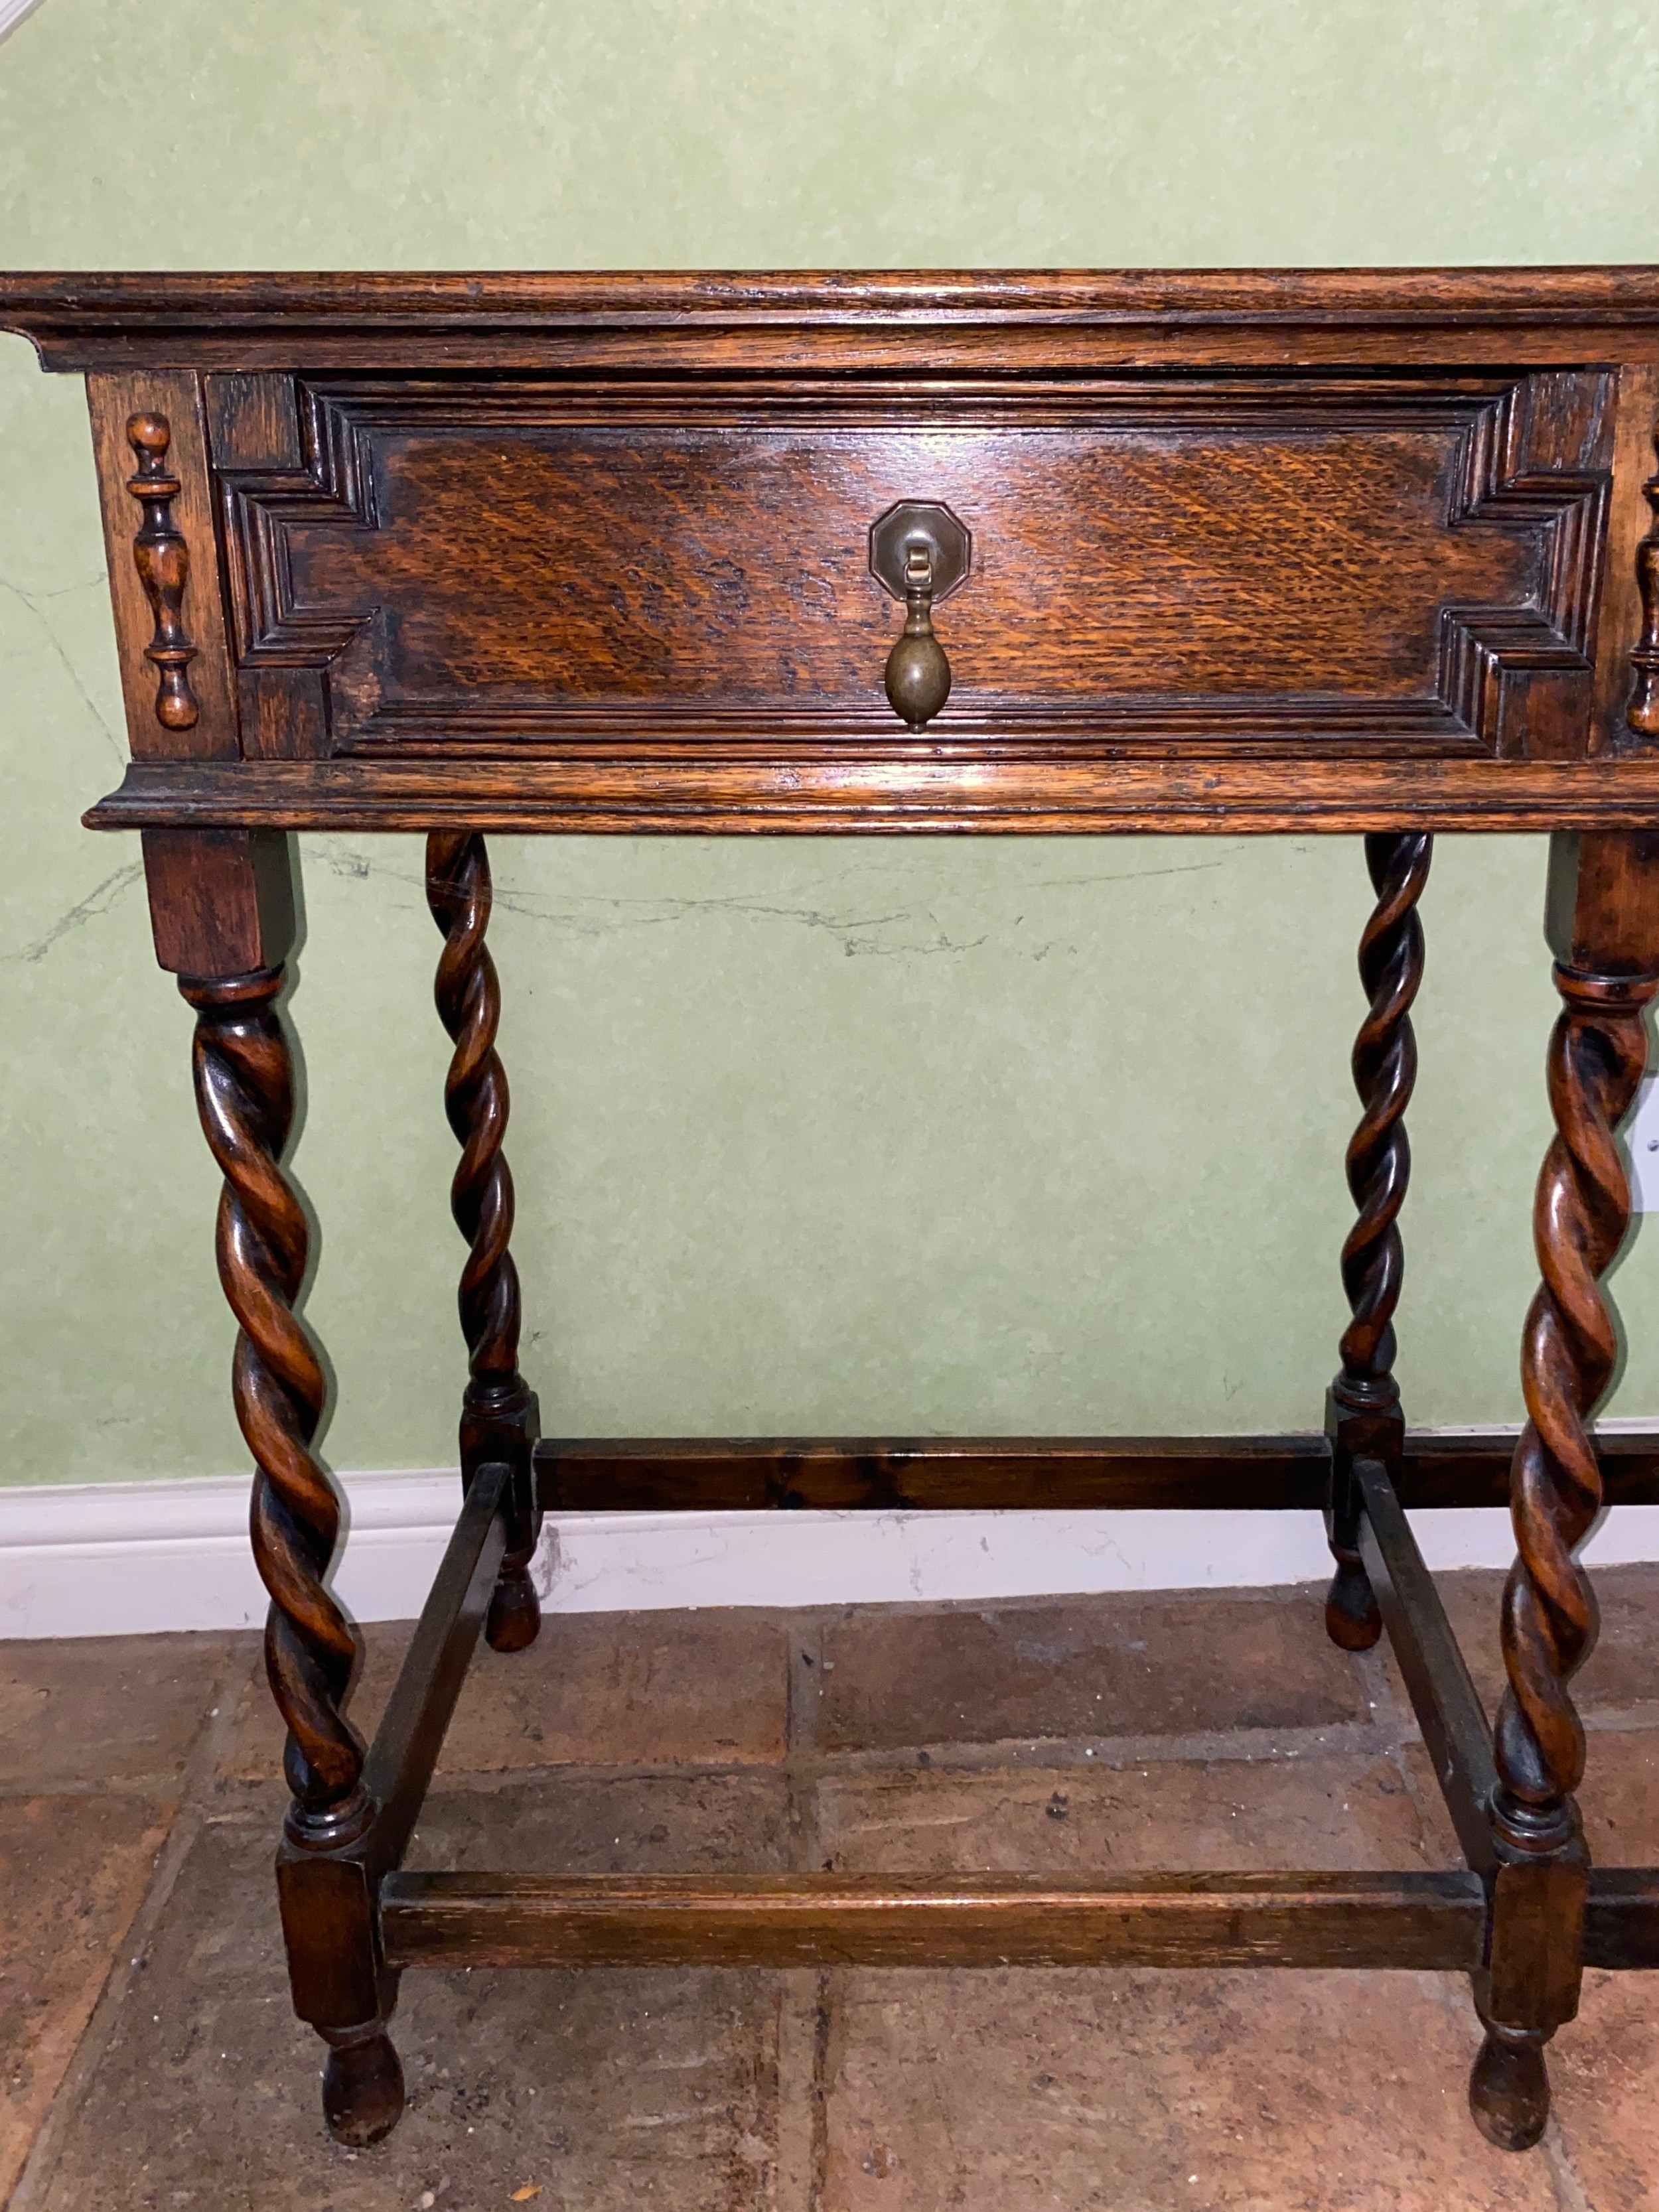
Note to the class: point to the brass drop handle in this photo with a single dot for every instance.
(919, 552)
(918, 671)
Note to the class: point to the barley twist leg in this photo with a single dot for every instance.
(245, 1094)
(1568, 1349)
(1364, 1415)
(1549, 1621)
(499, 1413)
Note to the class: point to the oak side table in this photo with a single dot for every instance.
(1365, 552)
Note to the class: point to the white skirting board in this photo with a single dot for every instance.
(12, 13)
(132, 1559)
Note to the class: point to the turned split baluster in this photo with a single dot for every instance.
(1603, 927)
(1642, 711)
(1363, 1412)
(162, 559)
(499, 1415)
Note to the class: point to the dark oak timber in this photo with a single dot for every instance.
(499, 1412)
(1641, 715)
(936, 321)
(1451, 537)
(1362, 1412)
(244, 1091)
(650, 789)
(341, 1981)
(1010, 1474)
(241, 904)
(1602, 921)
(1442, 1695)
(162, 559)
(1621, 1920)
(417, 1715)
(987, 1920)
(1425, 1921)
(1368, 552)
(184, 540)
(607, 537)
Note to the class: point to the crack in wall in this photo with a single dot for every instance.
(618, 913)
(97, 902)
(593, 916)
(35, 601)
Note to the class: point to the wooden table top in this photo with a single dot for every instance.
(1330, 550)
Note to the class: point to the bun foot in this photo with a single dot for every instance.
(515, 1611)
(1352, 1619)
(1509, 2089)
(362, 2088)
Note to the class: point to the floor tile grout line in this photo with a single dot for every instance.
(1621, 1720)
(125, 1963)
(792, 2190)
(804, 1652)
(1012, 1753)
(1262, 1747)
(160, 1788)
(1247, 1746)
(1571, 2194)
(1251, 1744)
(1569, 2191)
(826, 1993)
(200, 1806)
(807, 1763)
(193, 1775)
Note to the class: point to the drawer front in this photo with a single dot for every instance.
(1390, 564)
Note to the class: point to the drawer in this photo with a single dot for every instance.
(1386, 564)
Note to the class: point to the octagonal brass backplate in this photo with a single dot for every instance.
(917, 522)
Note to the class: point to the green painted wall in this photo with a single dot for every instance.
(837, 1135)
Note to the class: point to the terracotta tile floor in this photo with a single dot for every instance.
(151, 2059)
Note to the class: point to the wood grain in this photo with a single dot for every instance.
(945, 320)
(1604, 927)
(1602, 923)
(244, 1076)
(1621, 1918)
(410, 1735)
(1422, 1921)
(1642, 714)
(161, 556)
(1276, 551)
(1277, 565)
(112, 401)
(1629, 517)
(1443, 1696)
(500, 1417)
(223, 903)
(997, 1475)
(1364, 1415)
(904, 792)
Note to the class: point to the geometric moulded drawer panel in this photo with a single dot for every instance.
(1389, 564)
